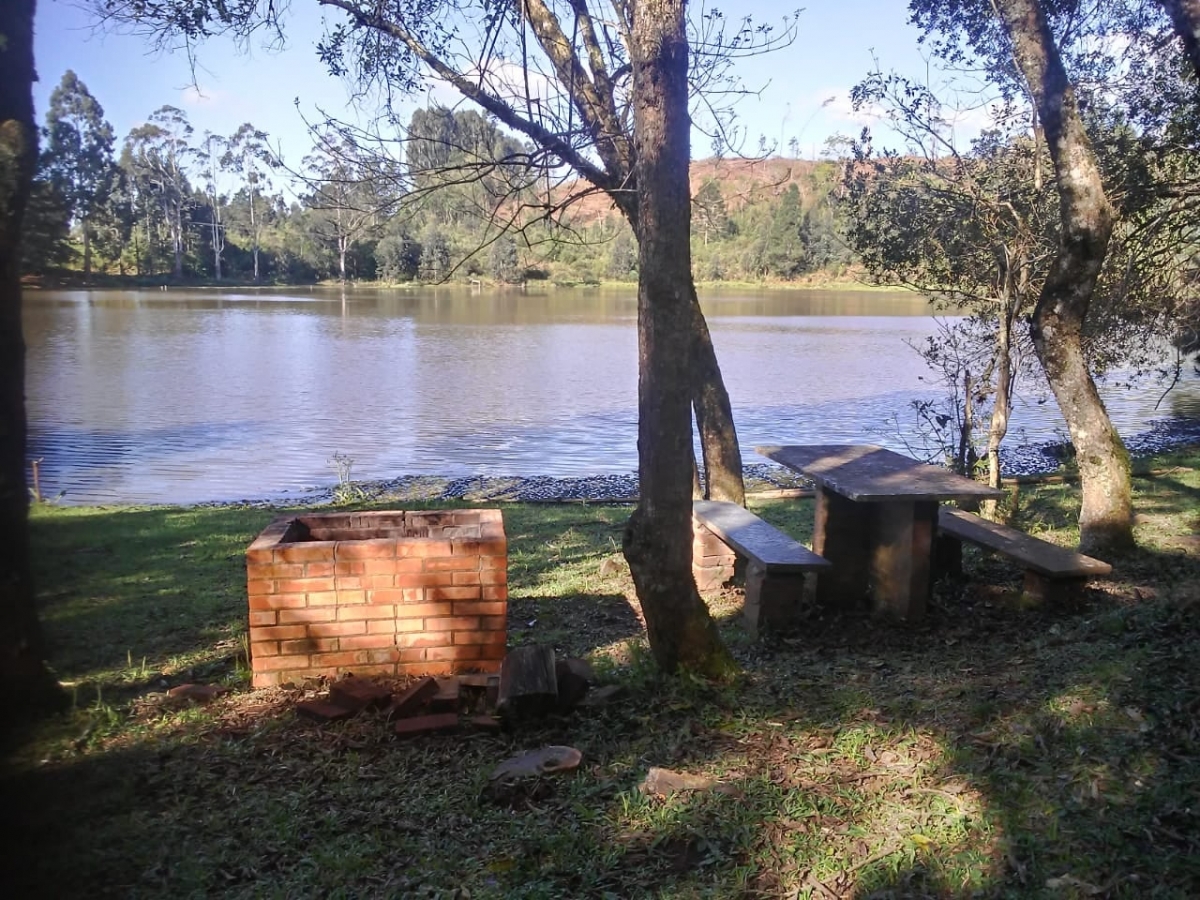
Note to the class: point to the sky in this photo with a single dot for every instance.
(805, 88)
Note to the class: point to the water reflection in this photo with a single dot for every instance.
(183, 396)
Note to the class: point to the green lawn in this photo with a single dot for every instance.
(989, 751)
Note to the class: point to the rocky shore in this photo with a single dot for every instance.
(760, 477)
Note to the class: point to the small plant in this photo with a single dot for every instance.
(345, 491)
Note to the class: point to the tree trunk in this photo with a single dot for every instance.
(658, 538)
(27, 683)
(1106, 516)
(714, 415)
(87, 249)
(254, 234)
(1185, 17)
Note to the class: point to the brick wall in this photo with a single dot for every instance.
(425, 593)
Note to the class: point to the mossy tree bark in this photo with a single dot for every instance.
(658, 538)
(1106, 516)
(27, 683)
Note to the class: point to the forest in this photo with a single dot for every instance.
(450, 196)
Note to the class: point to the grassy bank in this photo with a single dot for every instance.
(990, 751)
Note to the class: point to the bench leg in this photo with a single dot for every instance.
(713, 562)
(1039, 589)
(902, 558)
(773, 602)
(841, 534)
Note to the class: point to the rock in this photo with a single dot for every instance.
(664, 783)
(322, 711)
(359, 693)
(528, 683)
(419, 725)
(196, 693)
(602, 696)
(413, 698)
(538, 764)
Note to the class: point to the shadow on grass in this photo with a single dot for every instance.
(989, 751)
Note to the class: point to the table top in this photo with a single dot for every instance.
(865, 472)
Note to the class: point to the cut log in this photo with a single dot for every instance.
(528, 683)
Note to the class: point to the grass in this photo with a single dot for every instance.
(989, 751)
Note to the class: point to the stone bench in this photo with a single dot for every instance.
(775, 563)
(1051, 572)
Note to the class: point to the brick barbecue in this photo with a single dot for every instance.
(378, 593)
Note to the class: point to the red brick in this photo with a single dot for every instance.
(488, 548)
(322, 711)
(262, 617)
(480, 608)
(318, 569)
(466, 578)
(472, 637)
(309, 645)
(486, 723)
(352, 657)
(415, 727)
(411, 655)
(349, 567)
(266, 679)
(336, 629)
(497, 592)
(277, 633)
(278, 601)
(422, 610)
(359, 693)
(365, 642)
(299, 553)
(323, 598)
(493, 623)
(278, 663)
(366, 611)
(388, 595)
(349, 582)
(258, 586)
(466, 651)
(452, 564)
(264, 648)
(453, 623)
(265, 555)
(304, 585)
(381, 669)
(413, 697)
(410, 564)
(388, 626)
(493, 576)
(259, 572)
(317, 614)
(374, 549)
(493, 562)
(379, 582)
(379, 567)
(453, 593)
(424, 579)
(424, 639)
(425, 548)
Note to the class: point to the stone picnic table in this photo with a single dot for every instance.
(876, 521)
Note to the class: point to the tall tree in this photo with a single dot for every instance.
(1085, 227)
(251, 158)
(79, 155)
(211, 152)
(22, 669)
(158, 151)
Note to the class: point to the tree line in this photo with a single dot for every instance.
(167, 201)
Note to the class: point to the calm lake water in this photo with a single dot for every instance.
(190, 396)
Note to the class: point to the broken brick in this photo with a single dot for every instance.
(196, 693)
(412, 699)
(447, 696)
(419, 725)
(359, 693)
(486, 723)
(322, 711)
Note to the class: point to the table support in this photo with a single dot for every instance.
(841, 534)
(902, 558)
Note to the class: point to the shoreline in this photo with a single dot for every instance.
(761, 478)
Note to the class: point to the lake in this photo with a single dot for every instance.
(200, 395)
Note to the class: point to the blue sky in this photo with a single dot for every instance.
(805, 86)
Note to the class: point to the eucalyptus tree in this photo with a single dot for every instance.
(602, 88)
(157, 154)
(210, 153)
(22, 662)
(78, 155)
(249, 155)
